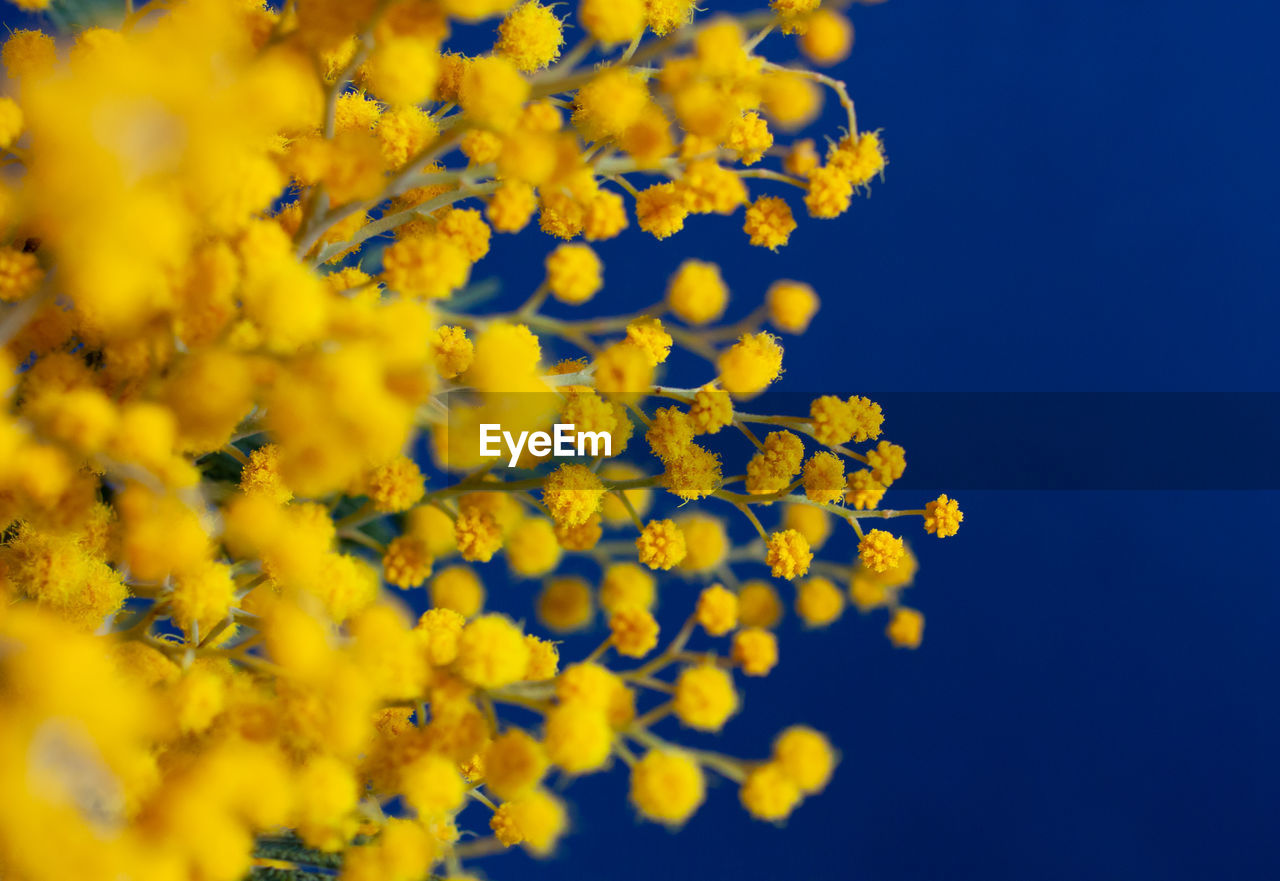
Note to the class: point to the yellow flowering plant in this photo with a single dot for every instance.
(238, 243)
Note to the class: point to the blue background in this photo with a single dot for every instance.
(1081, 196)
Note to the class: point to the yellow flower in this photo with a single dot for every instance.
(514, 764)
(704, 697)
(823, 478)
(425, 266)
(574, 274)
(806, 757)
(879, 550)
(403, 70)
(888, 462)
(769, 222)
(531, 36)
(492, 652)
(572, 494)
(818, 602)
(661, 544)
(648, 335)
(792, 305)
(755, 650)
(634, 631)
(536, 819)
(626, 584)
(769, 793)
(758, 605)
(578, 738)
(492, 91)
(750, 365)
(942, 517)
(827, 38)
(565, 605)
(717, 610)
(788, 555)
(906, 628)
(612, 21)
(458, 588)
(667, 786)
(696, 293)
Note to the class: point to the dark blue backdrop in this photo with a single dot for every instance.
(1080, 197)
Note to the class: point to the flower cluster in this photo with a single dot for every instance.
(236, 245)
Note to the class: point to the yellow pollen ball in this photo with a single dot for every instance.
(705, 697)
(806, 757)
(492, 652)
(667, 786)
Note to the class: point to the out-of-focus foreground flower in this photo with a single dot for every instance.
(235, 272)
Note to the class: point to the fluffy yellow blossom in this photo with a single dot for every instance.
(664, 16)
(452, 351)
(823, 478)
(492, 652)
(572, 494)
(512, 206)
(758, 605)
(667, 786)
(578, 737)
(458, 588)
(827, 37)
(792, 305)
(634, 631)
(514, 763)
(806, 756)
(787, 554)
(565, 605)
(888, 462)
(858, 158)
(755, 650)
(478, 535)
(906, 628)
(403, 70)
(536, 819)
(818, 602)
(531, 36)
(661, 544)
(750, 365)
(769, 793)
(623, 370)
(772, 469)
(492, 91)
(879, 550)
(574, 273)
(696, 293)
(395, 486)
(612, 21)
(649, 336)
(942, 517)
(661, 210)
(863, 491)
(769, 222)
(425, 266)
(705, 697)
(829, 192)
(717, 610)
(749, 137)
(626, 584)
(812, 522)
(406, 562)
(531, 548)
